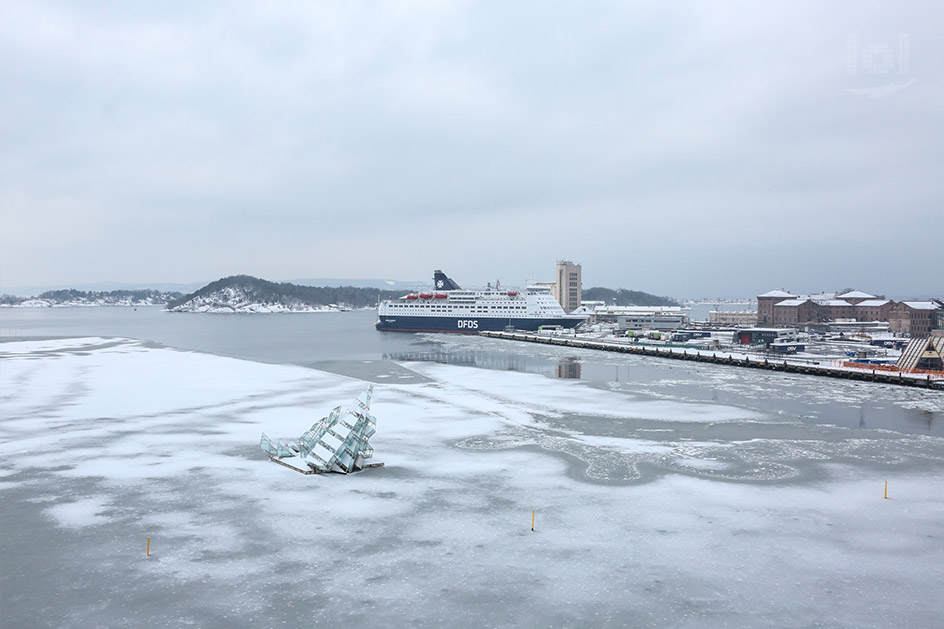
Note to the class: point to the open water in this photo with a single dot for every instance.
(346, 342)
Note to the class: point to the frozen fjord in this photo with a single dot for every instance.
(650, 511)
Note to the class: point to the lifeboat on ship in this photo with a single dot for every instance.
(411, 297)
(440, 295)
(426, 295)
(512, 293)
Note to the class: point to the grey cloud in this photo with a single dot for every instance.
(660, 146)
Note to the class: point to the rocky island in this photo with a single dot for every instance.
(247, 294)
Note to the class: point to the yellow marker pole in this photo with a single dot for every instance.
(886, 490)
(149, 547)
(532, 519)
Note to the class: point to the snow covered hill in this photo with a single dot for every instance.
(243, 293)
(244, 299)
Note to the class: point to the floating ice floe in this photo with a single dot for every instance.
(336, 443)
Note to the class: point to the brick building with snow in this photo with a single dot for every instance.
(913, 318)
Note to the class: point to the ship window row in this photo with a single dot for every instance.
(450, 308)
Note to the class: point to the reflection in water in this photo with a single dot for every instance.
(567, 368)
(463, 358)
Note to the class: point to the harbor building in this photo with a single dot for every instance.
(836, 309)
(568, 287)
(765, 305)
(873, 309)
(914, 318)
(812, 309)
(732, 317)
(790, 312)
(642, 317)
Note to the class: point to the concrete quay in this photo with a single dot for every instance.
(736, 359)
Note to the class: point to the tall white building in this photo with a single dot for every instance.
(568, 285)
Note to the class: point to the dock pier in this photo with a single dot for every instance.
(901, 378)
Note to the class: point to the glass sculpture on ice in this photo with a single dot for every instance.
(336, 443)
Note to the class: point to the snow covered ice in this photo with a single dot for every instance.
(650, 511)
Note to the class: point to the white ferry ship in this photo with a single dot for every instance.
(449, 308)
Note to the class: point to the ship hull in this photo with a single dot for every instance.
(467, 325)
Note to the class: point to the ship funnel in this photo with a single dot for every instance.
(442, 282)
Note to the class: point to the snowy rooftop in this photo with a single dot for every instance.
(856, 294)
(799, 301)
(638, 310)
(873, 303)
(922, 305)
(776, 293)
(834, 302)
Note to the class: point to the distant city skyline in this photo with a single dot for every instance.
(688, 151)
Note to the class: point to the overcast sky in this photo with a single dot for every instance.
(685, 149)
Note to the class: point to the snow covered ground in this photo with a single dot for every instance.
(649, 511)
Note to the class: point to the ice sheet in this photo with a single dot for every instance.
(649, 512)
(514, 390)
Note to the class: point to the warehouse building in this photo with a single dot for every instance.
(732, 317)
(914, 318)
(873, 309)
(642, 317)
